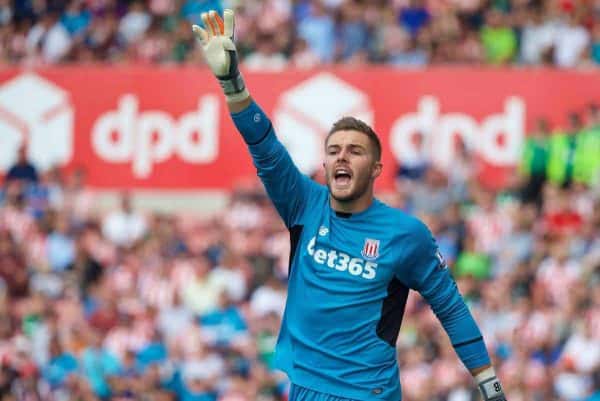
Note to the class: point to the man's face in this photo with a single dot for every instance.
(350, 165)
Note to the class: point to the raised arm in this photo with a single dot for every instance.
(288, 189)
(428, 274)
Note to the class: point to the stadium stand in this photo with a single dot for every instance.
(274, 34)
(128, 304)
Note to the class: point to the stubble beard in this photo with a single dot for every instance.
(359, 190)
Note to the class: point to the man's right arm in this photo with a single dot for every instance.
(288, 189)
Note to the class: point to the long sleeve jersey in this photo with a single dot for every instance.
(349, 278)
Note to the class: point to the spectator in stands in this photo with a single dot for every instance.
(135, 23)
(200, 294)
(443, 34)
(13, 272)
(98, 365)
(100, 43)
(498, 38)
(183, 44)
(125, 226)
(470, 50)
(224, 325)
(6, 12)
(471, 262)
(302, 56)
(414, 17)
(14, 215)
(595, 47)
(563, 146)
(266, 56)
(464, 171)
(589, 148)
(60, 244)
(518, 244)
(49, 39)
(85, 269)
(534, 162)
(413, 167)
(561, 218)
(318, 30)
(352, 37)
(531, 277)
(582, 349)
(76, 18)
(571, 42)
(537, 36)
(78, 197)
(432, 194)
(487, 221)
(60, 366)
(153, 47)
(400, 49)
(342, 31)
(22, 171)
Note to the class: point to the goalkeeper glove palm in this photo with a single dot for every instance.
(221, 54)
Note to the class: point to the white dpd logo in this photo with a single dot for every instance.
(306, 112)
(146, 138)
(35, 110)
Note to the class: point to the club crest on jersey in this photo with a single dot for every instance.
(370, 250)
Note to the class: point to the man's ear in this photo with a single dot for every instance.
(377, 168)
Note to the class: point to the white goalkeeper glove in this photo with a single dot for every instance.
(220, 53)
(489, 385)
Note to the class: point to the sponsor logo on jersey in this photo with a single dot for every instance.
(323, 231)
(440, 258)
(341, 261)
(370, 250)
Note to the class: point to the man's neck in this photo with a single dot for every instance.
(355, 206)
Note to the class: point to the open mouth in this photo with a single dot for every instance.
(342, 177)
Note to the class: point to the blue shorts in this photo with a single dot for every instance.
(298, 393)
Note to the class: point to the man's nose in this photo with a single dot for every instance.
(343, 155)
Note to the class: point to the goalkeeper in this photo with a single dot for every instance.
(353, 259)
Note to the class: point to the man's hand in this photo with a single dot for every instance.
(489, 385)
(220, 53)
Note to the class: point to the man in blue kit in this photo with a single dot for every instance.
(353, 259)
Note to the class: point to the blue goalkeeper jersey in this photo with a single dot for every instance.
(349, 278)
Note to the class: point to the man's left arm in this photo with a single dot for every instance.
(429, 275)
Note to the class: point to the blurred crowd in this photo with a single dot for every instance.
(124, 304)
(274, 34)
(527, 261)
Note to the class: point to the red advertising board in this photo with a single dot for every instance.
(168, 128)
